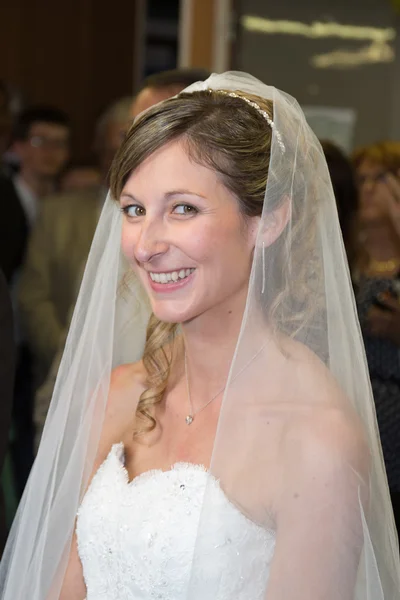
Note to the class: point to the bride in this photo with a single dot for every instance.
(212, 433)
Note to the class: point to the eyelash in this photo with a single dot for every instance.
(193, 209)
(125, 209)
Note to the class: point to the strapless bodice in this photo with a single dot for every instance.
(172, 535)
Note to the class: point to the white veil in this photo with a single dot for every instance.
(347, 548)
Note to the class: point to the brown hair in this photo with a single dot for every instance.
(385, 153)
(346, 194)
(207, 123)
(234, 140)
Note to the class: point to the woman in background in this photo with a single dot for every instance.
(376, 273)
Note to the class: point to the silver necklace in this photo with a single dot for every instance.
(190, 417)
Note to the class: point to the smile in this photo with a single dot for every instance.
(171, 276)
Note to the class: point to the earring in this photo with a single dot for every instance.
(263, 268)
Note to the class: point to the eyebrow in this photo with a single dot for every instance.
(167, 195)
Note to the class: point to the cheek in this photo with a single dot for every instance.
(33, 156)
(200, 246)
(374, 199)
(211, 241)
(62, 156)
(44, 158)
(227, 249)
(127, 241)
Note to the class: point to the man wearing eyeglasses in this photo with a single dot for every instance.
(41, 143)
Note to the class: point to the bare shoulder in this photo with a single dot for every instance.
(127, 382)
(127, 376)
(312, 382)
(327, 449)
(324, 428)
(325, 465)
(333, 432)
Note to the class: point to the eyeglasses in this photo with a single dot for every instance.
(40, 141)
(376, 178)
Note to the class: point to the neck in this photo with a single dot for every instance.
(40, 186)
(210, 341)
(381, 241)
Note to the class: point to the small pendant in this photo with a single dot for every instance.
(189, 420)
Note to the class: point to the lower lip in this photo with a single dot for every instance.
(172, 285)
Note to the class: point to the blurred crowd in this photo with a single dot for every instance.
(50, 204)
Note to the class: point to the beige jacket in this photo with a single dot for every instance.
(56, 255)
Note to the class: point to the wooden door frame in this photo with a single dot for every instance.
(205, 34)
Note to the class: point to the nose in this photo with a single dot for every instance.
(369, 185)
(366, 188)
(151, 241)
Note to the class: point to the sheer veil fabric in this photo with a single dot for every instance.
(347, 548)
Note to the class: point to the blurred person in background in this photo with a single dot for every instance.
(59, 246)
(376, 272)
(154, 89)
(346, 194)
(163, 85)
(78, 176)
(41, 143)
(110, 131)
(7, 365)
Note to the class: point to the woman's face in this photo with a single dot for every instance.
(185, 237)
(373, 191)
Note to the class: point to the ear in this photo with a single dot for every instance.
(275, 222)
(253, 226)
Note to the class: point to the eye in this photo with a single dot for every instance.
(185, 209)
(133, 210)
(381, 177)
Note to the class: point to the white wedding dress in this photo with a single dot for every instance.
(137, 540)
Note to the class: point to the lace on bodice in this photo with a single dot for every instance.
(137, 539)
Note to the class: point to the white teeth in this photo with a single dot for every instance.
(171, 276)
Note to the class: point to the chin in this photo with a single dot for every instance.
(173, 316)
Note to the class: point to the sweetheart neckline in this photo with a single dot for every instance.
(118, 450)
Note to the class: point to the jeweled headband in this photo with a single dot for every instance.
(258, 108)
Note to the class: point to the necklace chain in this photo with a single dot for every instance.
(190, 417)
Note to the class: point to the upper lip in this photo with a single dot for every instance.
(168, 270)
